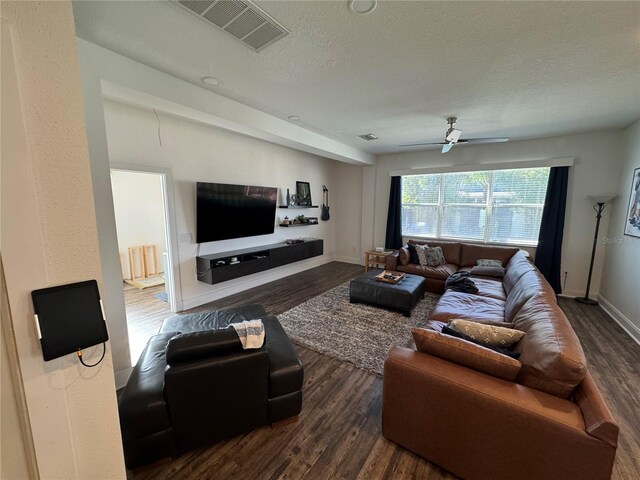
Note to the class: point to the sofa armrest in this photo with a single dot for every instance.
(391, 261)
(461, 419)
(597, 417)
(191, 347)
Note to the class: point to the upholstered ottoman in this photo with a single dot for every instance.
(400, 297)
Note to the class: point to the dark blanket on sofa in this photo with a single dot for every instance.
(460, 282)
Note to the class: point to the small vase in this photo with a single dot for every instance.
(288, 198)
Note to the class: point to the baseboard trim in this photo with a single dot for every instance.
(122, 377)
(354, 260)
(577, 293)
(254, 280)
(627, 325)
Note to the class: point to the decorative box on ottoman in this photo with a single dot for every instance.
(400, 297)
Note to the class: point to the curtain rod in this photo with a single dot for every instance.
(475, 167)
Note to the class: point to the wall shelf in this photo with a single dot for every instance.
(298, 206)
(297, 224)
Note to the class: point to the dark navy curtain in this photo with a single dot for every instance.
(394, 217)
(549, 251)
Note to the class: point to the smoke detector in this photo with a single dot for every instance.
(240, 18)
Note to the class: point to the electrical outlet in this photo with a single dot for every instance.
(186, 238)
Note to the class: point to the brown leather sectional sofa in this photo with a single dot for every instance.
(538, 417)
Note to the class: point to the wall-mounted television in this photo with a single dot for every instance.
(234, 211)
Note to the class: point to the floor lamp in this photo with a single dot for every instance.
(598, 205)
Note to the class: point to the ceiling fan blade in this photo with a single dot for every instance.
(484, 140)
(447, 146)
(421, 144)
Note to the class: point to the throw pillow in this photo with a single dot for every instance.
(485, 262)
(465, 353)
(504, 351)
(497, 272)
(403, 255)
(413, 254)
(431, 257)
(487, 334)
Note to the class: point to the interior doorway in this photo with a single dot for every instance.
(144, 243)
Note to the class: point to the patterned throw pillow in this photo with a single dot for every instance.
(488, 334)
(431, 257)
(497, 272)
(485, 262)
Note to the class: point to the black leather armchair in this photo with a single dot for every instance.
(194, 385)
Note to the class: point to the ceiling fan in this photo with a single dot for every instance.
(453, 136)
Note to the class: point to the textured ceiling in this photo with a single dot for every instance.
(517, 69)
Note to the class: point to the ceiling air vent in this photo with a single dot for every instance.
(241, 18)
(368, 137)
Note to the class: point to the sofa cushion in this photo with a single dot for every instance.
(487, 262)
(211, 320)
(470, 254)
(465, 353)
(519, 264)
(468, 307)
(530, 284)
(440, 272)
(450, 250)
(490, 287)
(487, 334)
(550, 352)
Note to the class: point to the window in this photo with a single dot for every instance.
(498, 206)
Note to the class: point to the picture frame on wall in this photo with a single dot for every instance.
(303, 190)
(632, 220)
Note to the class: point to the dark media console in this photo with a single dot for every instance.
(220, 267)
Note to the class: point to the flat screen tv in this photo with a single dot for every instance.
(69, 318)
(234, 211)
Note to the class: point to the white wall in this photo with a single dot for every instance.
(196, 152)
(139, 211)
(49, 237)
(621, 274)
(345, 201)
(598, 163)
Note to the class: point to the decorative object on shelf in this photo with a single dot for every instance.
(293, 200)
(288, 197)
(599, 203)
(325, 203)
(303, 190)
(632, 223)
(294, 241)
(300, 221)
(286, 221)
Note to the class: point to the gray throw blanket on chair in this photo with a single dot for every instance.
(460, 282)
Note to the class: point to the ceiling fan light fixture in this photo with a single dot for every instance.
(362, 7)
(454, 135)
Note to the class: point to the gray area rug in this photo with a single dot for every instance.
(354, 333)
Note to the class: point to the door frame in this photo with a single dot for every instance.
(166, 177)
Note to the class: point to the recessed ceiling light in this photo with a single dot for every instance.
(211, 81)
(294, 118)
(368, 137)
(362, 7)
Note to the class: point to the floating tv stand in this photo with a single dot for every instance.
(220, 267)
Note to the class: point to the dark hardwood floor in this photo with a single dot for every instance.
(338, 432)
